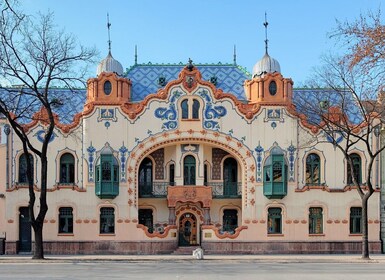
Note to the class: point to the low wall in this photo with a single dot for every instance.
(283, 247)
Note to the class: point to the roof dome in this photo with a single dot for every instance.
(266, 65)
(109, 64)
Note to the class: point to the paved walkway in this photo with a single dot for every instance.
(375, 258)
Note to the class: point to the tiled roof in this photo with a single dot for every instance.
(145, 77)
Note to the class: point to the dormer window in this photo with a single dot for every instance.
(107, 87)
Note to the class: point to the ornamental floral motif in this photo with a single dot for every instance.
(123, 150)
(259, 151)
(91, 150)
(291, 150)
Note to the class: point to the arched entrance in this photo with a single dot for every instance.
(188, 230)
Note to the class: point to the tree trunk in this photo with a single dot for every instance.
(365, 228)
(38, 252)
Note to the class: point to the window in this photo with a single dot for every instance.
(146, 219)
(189, 167)
(355, 220)
(184, 106)
(107, 176)
(172, 175)
(145, 178)
(67, 168)
(107, 220)
(356, 160)
(23, 168)
(230, 177)
(205, 175)
(274, 221)
(107, 87)
(65, 220)
(195, 109)
(230, 220)
(275, 175)
(313, 169)
(315, 220)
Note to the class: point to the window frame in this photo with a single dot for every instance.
(355, 220)
(274, 220)
(357, 169)
(189, 171)
(69, 170)
(315, 220)
(230, 221)
(146, 218)
(68, 220)
(22, 168)
(107, 220)
(312, 167)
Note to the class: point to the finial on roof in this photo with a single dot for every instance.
(108, 27)
(136, 55)
(190, 66)
(266, 40)
(235, 55)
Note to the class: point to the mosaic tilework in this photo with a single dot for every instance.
(217, 155)
(158, 156)
(145, 78)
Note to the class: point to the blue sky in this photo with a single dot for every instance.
(171, 31)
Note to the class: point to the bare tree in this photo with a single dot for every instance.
(349, 112)
(36, 56)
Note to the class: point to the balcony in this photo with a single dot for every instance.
(219, 189)
(153, 189)
(107, 190)
(226, 189)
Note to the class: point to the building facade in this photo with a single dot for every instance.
(168, 156)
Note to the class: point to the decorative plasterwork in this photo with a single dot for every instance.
(332, 190)
(225, 234)
(191, 194)
(259, 151)
(291, 149)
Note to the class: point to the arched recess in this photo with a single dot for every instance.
(237, 149)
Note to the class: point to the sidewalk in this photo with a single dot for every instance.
(375, 258)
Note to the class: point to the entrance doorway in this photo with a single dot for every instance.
(188, 232)
(25, 241)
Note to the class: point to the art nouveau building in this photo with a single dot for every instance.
(167, 156)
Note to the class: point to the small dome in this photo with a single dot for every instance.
(109, 64)
(266, 65)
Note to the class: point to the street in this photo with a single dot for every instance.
(192, 269)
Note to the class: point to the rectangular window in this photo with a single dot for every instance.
(65, 220)
(274, 221)
(355, 220)
(107, 220)
(146, 219)
(315, 220)
(230, 220)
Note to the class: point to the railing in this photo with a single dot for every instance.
(153, 189)
(226, 189)
(219, 189)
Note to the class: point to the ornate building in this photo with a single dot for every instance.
(168, 156)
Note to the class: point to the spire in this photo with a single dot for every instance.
(108, 27)
(266, 40)
(235, 55)
(136, 55)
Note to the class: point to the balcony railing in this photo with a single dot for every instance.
(219, 189)
(153, 189)
(226, 189)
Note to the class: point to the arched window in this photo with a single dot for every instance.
(356, 160)
(67, 168)
(107, 176)
(230, 177)
(275, 175)
(313, 169)
(195, 109)
(184, 106)
(189, 167)
(23, 168)
(145, 178)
